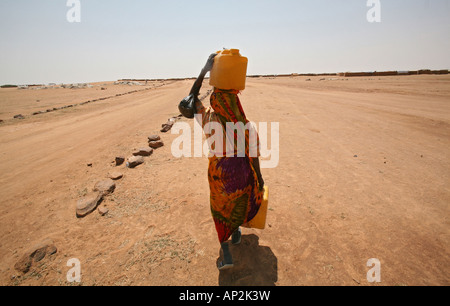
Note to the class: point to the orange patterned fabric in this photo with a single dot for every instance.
(235, 195)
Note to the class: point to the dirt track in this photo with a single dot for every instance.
(364, 173)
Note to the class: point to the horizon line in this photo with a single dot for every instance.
(340, 74)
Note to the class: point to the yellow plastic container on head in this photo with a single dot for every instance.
(229, 70)
(259, 221)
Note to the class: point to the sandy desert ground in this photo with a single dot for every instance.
(364, 173)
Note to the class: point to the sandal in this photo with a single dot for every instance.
(224, 266)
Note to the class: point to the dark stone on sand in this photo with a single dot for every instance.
(102, 210)
(134, 161)
(154, 138)
(115, 175)
(143, 152)
(36, 254)
(105, 187)
(120, 160)
(155, 144)
(87, 204)
(167, 126)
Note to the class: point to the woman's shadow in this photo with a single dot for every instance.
(254, 265)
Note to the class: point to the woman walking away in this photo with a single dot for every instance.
(236, 184)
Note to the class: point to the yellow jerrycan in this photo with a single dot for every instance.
(259, 221)
(229, 70)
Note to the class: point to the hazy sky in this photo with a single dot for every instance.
(161, 39)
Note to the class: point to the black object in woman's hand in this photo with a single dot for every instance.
(187, 106)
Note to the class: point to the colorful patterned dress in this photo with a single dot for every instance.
(235, 194)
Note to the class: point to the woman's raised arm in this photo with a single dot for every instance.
(195, 90)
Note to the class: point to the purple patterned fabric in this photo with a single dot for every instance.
(237, 173)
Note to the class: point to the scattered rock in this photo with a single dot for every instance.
(103, 210)
(143, 152)
(355, 155)
(1, 121)
(24, 264)
(105, 187)
(115, 175)
(89, 165)
(169, 124)
(166, 127)
(36, 254)
(43, 249)
(87, 204)
(19, 116)
(154, 138)
(134, 161)
(156, 144)
(120, 160)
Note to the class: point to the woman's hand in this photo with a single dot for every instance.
(210, 62)
(198, 83)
